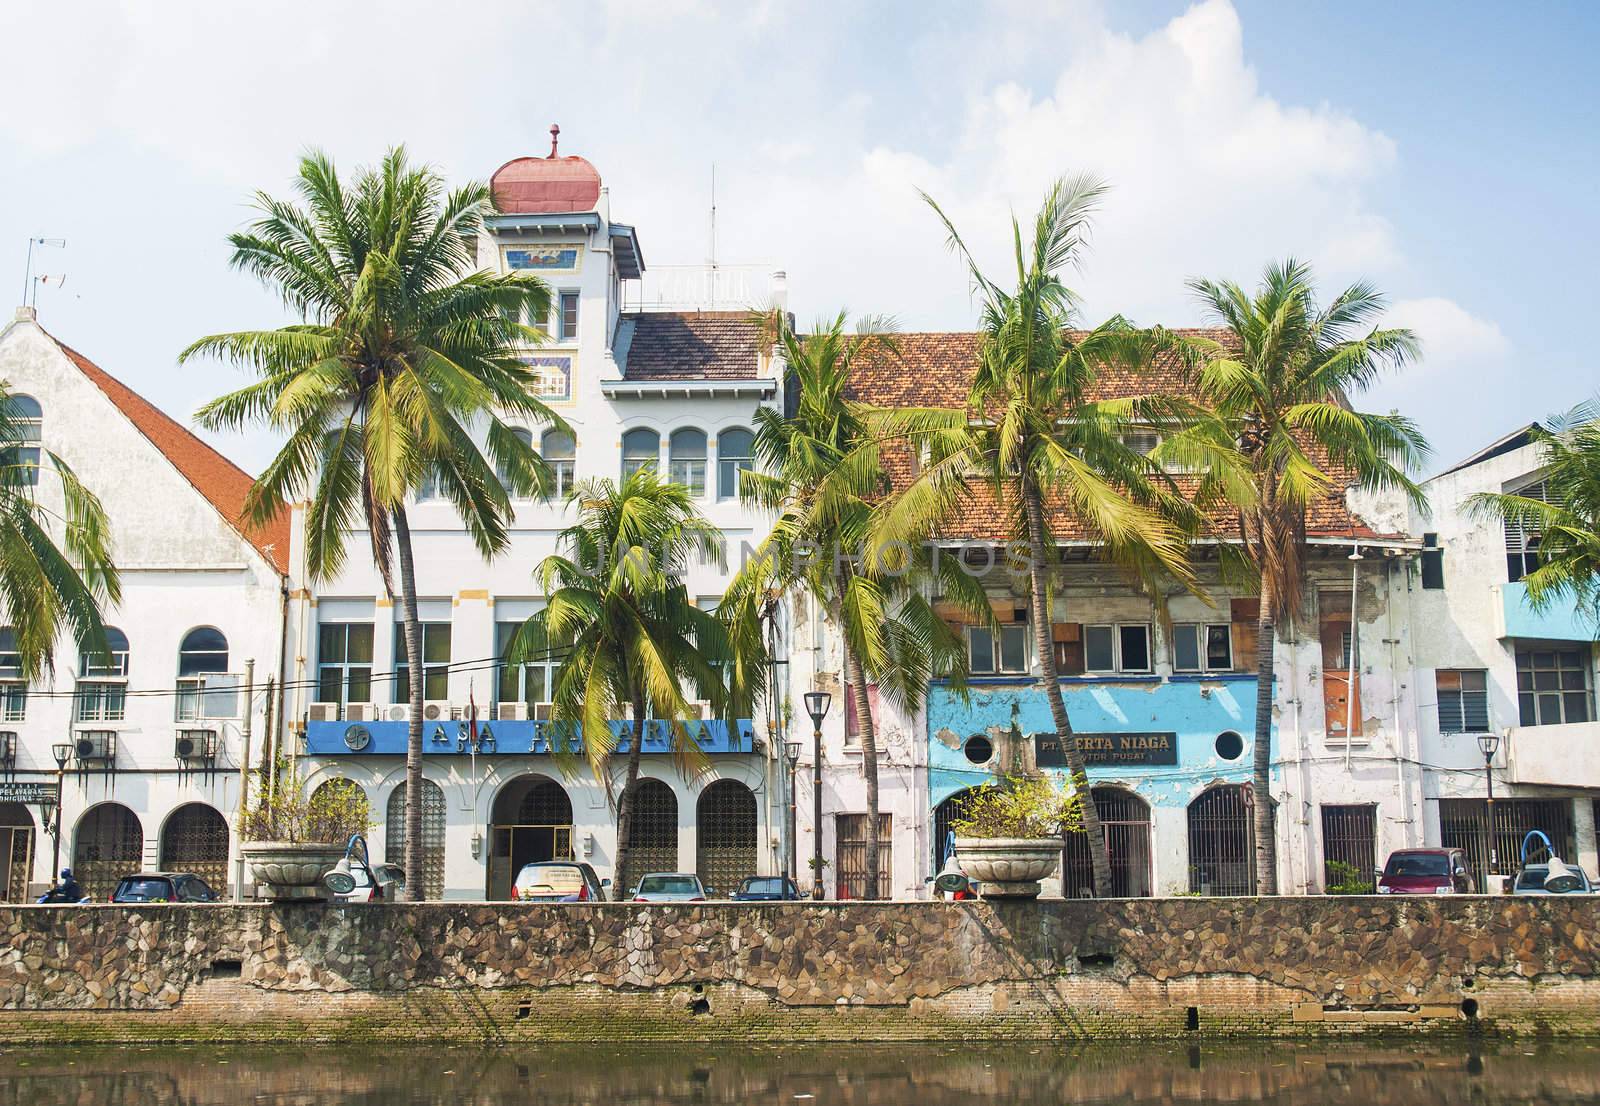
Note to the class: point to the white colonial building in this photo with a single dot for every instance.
(673, 388)
(151, 734)
(1489, 666)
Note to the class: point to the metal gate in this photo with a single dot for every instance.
(537, 828)
(1222, 843)
(1464, 825)
(16, 852)
(109, 844)
(1349, 849)
(1125, 821)
(433, 811)
(850, 856)
(195, 839)
(725, 845)
(944, 814)
(652, 834)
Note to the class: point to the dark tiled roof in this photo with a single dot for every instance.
(223, 483)
(693, 345)
(936, 369)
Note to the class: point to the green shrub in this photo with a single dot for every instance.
(332, 814)
(1347, 879)
(1019, 806)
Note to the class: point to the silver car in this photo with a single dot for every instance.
(1531, 881)
(671, 887)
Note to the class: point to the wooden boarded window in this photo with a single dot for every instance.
(1243, 615)
(1068, 641)
(1341, 678)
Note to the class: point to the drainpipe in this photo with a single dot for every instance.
(1394, 677)
(244, 776)
(1350, 695)
(276, 731)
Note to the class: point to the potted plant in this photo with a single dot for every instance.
(290, 840)
(1009, 836)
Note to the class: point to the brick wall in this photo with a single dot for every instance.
(795, 971)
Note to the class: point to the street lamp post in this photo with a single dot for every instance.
(62, 751)
(1488, 743)
(791, 757)
(817, 707)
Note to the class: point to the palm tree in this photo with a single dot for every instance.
(55, 558)
(636, 636)
(399, 359)
(822, 477)
(1567, 520)
(1047, 450)
(1280, 383)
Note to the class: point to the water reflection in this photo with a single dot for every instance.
(528, 1075)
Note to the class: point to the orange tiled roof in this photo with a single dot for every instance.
(223, 483)
(935, 369)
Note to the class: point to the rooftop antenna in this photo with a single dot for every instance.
(30, 290)
(713, 234)
(555, 137)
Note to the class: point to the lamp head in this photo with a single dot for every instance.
(1487, 744)
(791, 752)
(1560, 879)
(338, 878)
(817, 703)
(63, 752)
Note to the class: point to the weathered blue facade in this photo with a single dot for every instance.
(507, 738)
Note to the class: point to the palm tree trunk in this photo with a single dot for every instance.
(1039, 560)
(413, 634)
(867, 731)
(625, 878)
(1261, 774)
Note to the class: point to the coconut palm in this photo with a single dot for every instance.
(636, 637)
(55, 557)
(399, 362)
(1280, 382)
(1049, 452)
(822, 477)
(1567, 519)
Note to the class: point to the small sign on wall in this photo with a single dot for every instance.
(543, 259)
(553, 373)
(1154, 747)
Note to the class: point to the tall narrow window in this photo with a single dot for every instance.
(13, 688)
(640, 448)
(1522, 541)
(1100, 648)
(1432, 563)
(435, 662)
(27, 432)
(1463, 696)
(568, 320)
(1134, 643)
(534, 680)
(102, 690)
(686, 455)
(736, 453)
(202, 657)
(503, 471)
(560, 451)
(344, 662)
(432, 488)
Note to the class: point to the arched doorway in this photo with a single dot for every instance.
(531, 821)
(652, 835)
(1125, 822)
(195, 839)
(725, 821)
(394, 837)
(16, 852)
(1222, 842)
(108, 845)
(944, 817)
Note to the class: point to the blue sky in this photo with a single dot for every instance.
(1446, 152)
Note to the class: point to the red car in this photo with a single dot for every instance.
(1425, 872)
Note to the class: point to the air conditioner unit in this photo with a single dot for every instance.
(195, 745)
(511, 712)
(544, 711)
(394, 712)
(323, 712)
(360, 712)
(436, 710)
(701, 709)
(96, 745)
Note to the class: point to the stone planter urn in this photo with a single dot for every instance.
(290, 870)
(1008, 867)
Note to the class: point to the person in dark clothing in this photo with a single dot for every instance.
(69, 889)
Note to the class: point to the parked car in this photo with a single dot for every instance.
(1425, 872)
(380, 883)
(766, 889)
(1531, 881)
(671, 887)
(558, 881)
(163, 887)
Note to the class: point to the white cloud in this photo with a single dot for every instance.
(1452, 337)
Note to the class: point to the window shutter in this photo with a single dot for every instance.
(1068, 639)
(1243, 614)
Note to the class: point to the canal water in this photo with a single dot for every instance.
(1364, 1074)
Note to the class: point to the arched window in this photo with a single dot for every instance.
(431, 878)
(1125, 822)
(725, 827)
(195, 839)
(652, 834)
(108, 845)
(26, 431)
(686, 455)
(560, 451)
(736, 453)
(13, 684)
(16, 852)
(503, 471)
(202, 656)
(102, 690)
(640, 448)
(1222, 842)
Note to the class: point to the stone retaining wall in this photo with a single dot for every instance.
(503, 971)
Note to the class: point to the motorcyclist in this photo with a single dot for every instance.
(69, 889)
